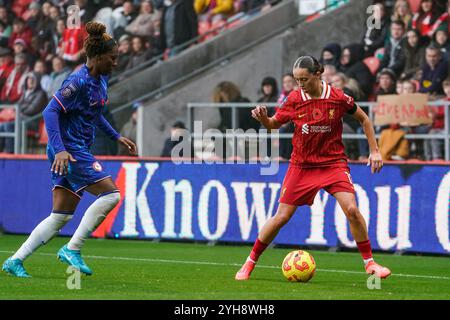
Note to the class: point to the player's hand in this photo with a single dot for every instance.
(375, 162)
(260, 113)
(61, 163)
(132, 148)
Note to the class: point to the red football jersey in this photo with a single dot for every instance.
(317, 139)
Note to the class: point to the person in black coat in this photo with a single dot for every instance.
(394, 56)
(352, 66)
(331, 54)
(178, 24)
(375, 37)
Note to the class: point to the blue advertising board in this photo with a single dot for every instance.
(406, 206)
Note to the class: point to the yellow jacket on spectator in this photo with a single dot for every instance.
(222, 6)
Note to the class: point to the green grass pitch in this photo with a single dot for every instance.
(131, 269)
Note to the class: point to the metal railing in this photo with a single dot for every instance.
(16, 133)
(369, 105)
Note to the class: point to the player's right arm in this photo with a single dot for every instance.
(260, 114)
(62, 102)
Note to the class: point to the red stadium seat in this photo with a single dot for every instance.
(414, 5)
(373, 64)
(43, 137)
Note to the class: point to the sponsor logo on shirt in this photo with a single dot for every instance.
(305, 129)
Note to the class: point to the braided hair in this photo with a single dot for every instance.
(98, 41)
(310, 63)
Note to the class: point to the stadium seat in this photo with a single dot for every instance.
(43, 137)
(414, 5)
(373, 64)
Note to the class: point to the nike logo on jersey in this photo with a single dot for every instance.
(301, 115)
(93, 103)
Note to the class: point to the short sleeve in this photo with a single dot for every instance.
(284, 112)
(348, 103)
(69, 93)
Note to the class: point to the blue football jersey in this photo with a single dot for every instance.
(81, 99)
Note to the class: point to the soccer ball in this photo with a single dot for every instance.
(298, 266)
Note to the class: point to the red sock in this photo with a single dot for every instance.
(365, 249)
(257, 250)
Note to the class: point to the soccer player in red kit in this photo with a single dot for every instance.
(318, 160)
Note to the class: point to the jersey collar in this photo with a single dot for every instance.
(326, 92)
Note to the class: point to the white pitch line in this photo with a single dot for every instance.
(236, 265)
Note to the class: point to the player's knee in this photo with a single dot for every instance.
(353, 213)
(112, 198)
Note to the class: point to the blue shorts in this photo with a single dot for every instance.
(80, 174)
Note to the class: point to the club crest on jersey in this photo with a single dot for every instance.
(68, 91)
(97, 166)
(317, 114)
(331, 114)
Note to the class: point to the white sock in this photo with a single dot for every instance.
(366, 261)
(250, 259)
(94, 215)
(43, 233)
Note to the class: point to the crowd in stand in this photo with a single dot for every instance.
(43, 40)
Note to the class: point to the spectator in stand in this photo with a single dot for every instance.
(402, 12)
(58, 75)
(6, 65)
(353, 67)
(414, 49)
(35, 15)
(71, 46)
(394, 53)
(129, 129)
(408, 86)
(139, 52)
(392, 143)
(178, 25)
(213, 10)
(269, 89)
(288, 85)
(434, 72)
(43, 33)
(40, 68)
(176, 137)
(123, 16)
(54, 13)
(375, 37)
(124, 54)
(144, 24)
(21, 47)
(5, 16)
(331, 54)
(441, 41)
(427, 19)
(22, 31)
(434, 147)
(329, 71)
(386, 82)
(32, 102)
(399, 86)
(5, 33)
(13, 88)
(227, 91)
(57, 39)
(87, 10)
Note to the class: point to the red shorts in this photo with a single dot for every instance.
(301, 185)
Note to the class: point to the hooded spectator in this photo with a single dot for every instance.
(386, 82)
(353, 67)
(441, 41)
(331, 54)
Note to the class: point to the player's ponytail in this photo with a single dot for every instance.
(98, 41)
(310, 63)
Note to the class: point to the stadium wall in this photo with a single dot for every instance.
(273, 58)
(406, 206)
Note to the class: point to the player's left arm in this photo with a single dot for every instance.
(375, 161)
(106, 127)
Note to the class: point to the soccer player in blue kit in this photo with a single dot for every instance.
(70, 120)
